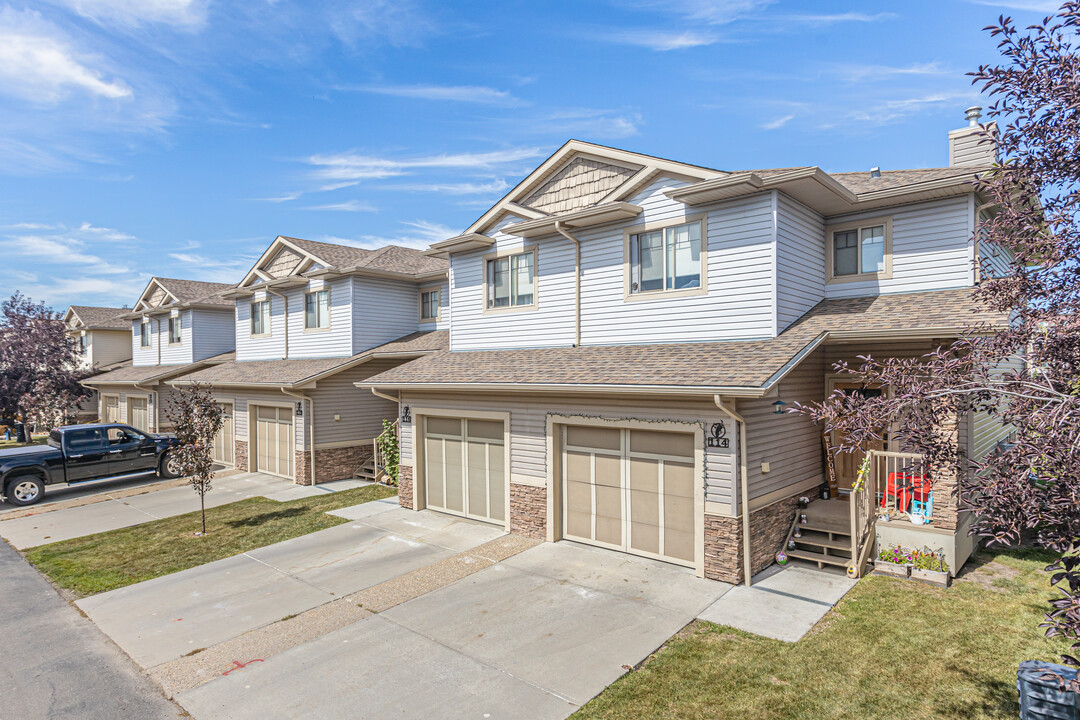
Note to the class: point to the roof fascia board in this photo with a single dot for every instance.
(595, 215)
(682, 390)
(525, 212)
(279, 241)
(461, 243)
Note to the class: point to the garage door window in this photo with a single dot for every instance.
(464, 467)
(630, 490)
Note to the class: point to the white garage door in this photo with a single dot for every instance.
(630, 490)
(464, 467)
(223, 441)
(138, 415)
(274, 440)
(112, 408)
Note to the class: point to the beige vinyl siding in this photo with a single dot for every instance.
(105, 347)
(931, 249)
(243, 400)
(800, 260)
(987, 430)
(790, 443)
(551, 324)
(970, 147)
(528, 427)
(360, 412)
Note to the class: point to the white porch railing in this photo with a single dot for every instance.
(903, 486)
(377, 455)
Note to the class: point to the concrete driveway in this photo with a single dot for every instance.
(536, 635)
(113, 513)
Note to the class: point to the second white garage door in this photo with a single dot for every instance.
(223, 441)
(464, 467)
(630, 490)
(274, 440)
(138, 414)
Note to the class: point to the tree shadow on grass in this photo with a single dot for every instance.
(996, 698)
(256, 520)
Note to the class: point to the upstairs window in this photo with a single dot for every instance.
(860, 251)
(317, 310)
(144, 334)
(666, 260)
(174, 331)
(429, 305)
(511, 281)
(260, 317)
(82, 344)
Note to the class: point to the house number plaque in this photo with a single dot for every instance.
(718, 437)
(406, 414)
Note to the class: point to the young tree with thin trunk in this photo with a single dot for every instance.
(1027, 490)
(197, 420)
(39, 382)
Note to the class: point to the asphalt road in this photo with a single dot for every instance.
(55, 664)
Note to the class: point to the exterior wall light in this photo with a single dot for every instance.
(779, 405)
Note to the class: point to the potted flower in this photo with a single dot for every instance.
(929, 566)
(894, 561)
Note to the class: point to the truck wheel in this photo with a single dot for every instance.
(25, 490)
(168, 468)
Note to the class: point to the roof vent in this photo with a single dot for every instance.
(875, 172)
(972, 115)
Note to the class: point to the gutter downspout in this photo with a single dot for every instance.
(743, 485)
(285, 301)
(384, 396)
(311, 423)
(577, 280)
(158, 340)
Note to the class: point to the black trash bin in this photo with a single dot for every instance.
(1041, 695)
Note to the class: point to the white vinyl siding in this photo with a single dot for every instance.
(528, 428)
(800, 260)
(211, 333)
(260, 348)
(175, 353)
(443, 322)
(140, 355)
(384, 310)
(931, 249)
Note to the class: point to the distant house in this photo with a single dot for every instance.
(311, 319)
(102, 343)
(175, 327)
(625, 332)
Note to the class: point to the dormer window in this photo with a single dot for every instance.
(666, 259)
(860, 251)
(144, 334)
(317, 310)
(260, 318)
(174, 331)
(429, 305)
(511, 280)
(82, 344)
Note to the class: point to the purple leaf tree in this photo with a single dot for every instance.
(39, 382)
(197, 419)
(1025, 377)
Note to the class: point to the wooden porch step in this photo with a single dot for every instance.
(367, 471)
(819, 539)
(823, 526)
(819, 558)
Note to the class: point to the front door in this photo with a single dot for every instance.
(629, 490)
(464, 467)
(847, 464)
(274, 440)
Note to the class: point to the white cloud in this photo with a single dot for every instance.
(346, 206)
(132, 13)
(477, 94)
(832, 19)
(59, 247)
(712, 12)
(213, 269)
(594, 123)
(287, 197)
(39, 64)
(465, 188)
(341, 169)
(851, 72)
(420, 235)
(661, 41)
(402, 23)
(777, 123)
(1041, 6)
(891, 110)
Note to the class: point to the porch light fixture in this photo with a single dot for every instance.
(779, 405)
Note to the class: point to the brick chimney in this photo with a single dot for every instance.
(972, 145)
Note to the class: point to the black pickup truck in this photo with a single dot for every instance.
(82, 453)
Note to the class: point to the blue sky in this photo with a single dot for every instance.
(179, 137)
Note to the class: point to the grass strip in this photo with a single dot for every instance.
(109, 560)
(891, 649)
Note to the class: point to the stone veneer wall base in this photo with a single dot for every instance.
(528, 510)
(240, 455)
(405, 487)
(724, 540)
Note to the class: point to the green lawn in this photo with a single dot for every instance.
(35, 440)
(890, 649)
(113, 559)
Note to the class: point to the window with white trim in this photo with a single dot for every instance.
(860, 250)
(174, 330)
(260, 317)
(429, 304)
(511, 280)
(144, 334)
(667, 259)
(82, 344)
(317, 310)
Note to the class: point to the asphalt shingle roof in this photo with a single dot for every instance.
(197, 291)
(861, 182)
(295, 372)
(104, 318)
(713, 365)
(148, 373)
(390, 258)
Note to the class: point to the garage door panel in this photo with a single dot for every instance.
(662, 443)
(455, 494)
(436, 471)
(464, 467)
(594, 437)
(645, 537)
(579, 524)
(678, 479)
(496, 482)
(486, 430)
(477, 479)
(679, 544)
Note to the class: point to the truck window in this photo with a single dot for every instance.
(54, 438)
(119, 435)
(81, 440)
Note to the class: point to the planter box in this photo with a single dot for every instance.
(932, 577)
(891, 569)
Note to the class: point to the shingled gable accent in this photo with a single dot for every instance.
(581, 182)
(285, 257)
(154, 296)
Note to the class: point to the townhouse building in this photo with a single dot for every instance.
(175, 327)
(102, 343)
(308, 321)
(627, 331)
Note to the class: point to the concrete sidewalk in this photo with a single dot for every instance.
(111, 514)
(782, 602)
